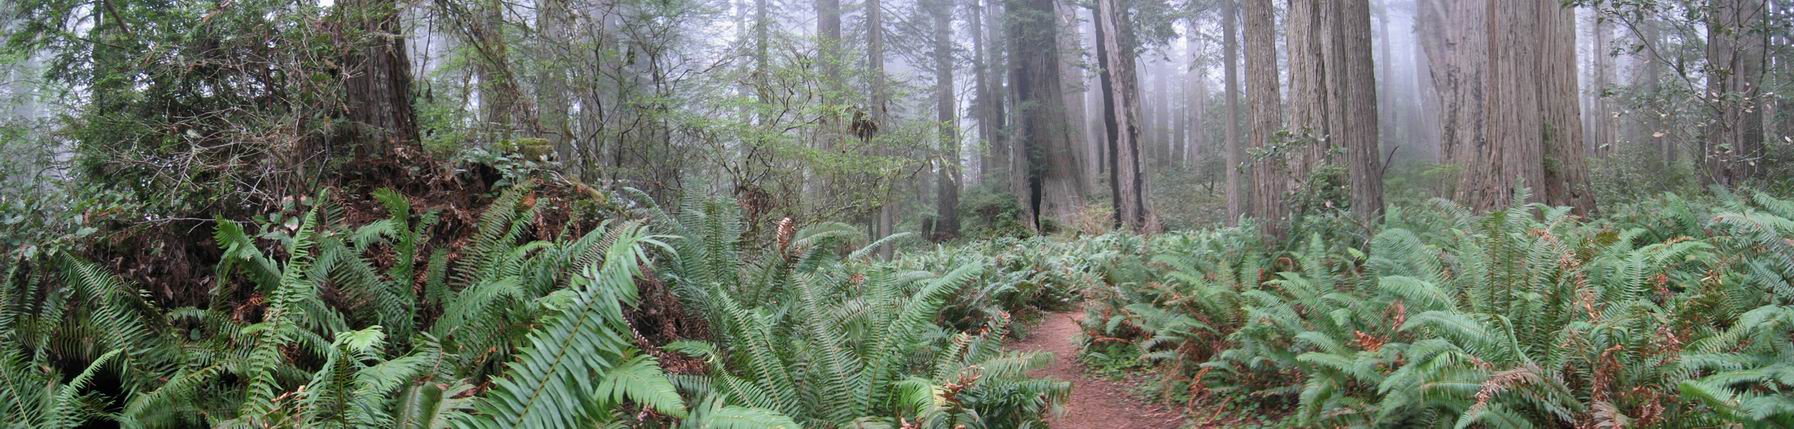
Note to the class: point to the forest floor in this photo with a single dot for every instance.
(1096, 402)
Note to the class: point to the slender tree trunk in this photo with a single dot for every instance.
(1653, 78)
(1052, 176)
(1734, 143)
(1268, 176)
(552, 96)
(1234, 154)
(1190, 133)
(1388, 119)
(982, 95)
(762, 36)
(946, 225)
(1096, 148)
(1001, 162)
(875, 63)
(829, 125)
(1605, 134)
(1119, 111)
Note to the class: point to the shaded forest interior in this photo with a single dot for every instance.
(817, 213)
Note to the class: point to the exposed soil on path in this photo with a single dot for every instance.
(1095, 403)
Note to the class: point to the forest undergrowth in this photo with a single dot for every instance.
(1667, 312)
(1671, 312)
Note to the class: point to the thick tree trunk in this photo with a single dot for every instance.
(1333, 102)
(1071, 56)
(1734, 142)
(377, 88)
(1455, 37)
(1311, 39)
(1360, 135)
(498, 88)
(1566, 171)
(1510, 156)
(1533, 126)
(946, 225)
(1119, 110)
(1424, 121)
(1234, 154)
(1268, 176)
(1052, 177)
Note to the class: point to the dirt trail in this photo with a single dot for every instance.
(1095, 403)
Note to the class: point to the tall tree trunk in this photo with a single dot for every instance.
(1603, 135)
(1309, 38)
(1333, 102)
(1268, 176)
(552, 95)
(1782, 65)
(1096, 148)
(378, 87)
(1001, 163)
(1072, 72)
(829, 125)
(1533, 126)
(1734, 143)
(1510, 156)
(1234, 154)
(1424, 121)
(1360, 135)
(1049, 165)
(1455, 37)
(1566, 171)
(498, 90)
(1119, 110)
(946, 225)
(982, 95)
(1196, 97)
(875, 63)
(1387, 116)
(762, 37)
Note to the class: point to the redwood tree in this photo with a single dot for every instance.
(1268, 176)
(1120, 111)
(1049, 176)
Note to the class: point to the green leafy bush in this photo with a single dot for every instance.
(1670, 313)
(318, 324)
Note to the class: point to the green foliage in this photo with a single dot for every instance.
(1670, 313)
(987, 213)
(834, 340)
(316, 324)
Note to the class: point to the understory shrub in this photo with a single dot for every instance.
(1668, 313)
